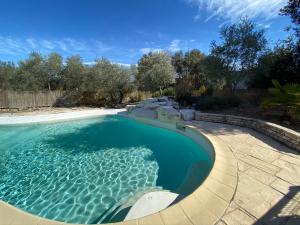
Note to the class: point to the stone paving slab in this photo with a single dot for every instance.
(268, 189)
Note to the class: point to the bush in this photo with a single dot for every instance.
(169, 92)
(183, 91)
(285, 98)
(217, 103)
(203, 91)
(137, 96)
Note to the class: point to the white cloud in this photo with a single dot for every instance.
(102, 47)
(17, 46)
(174, 46)
(91, 63)
(127, 65)
(48, 44)
(88, 63)
(62, 45)
(233, 10)
(264, 25)
(147, 50)
(32, 43)
(10, 46)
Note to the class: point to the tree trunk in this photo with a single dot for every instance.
(121, 97)
(160, 90)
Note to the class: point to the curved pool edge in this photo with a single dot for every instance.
(206, 205)
(19, 120)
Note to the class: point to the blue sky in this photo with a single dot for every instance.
(123, 30)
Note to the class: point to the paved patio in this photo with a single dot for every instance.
(268, 190)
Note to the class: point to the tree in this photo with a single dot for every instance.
(54, 68)
(178, 61)
(134, 74)
(112, 79)
(31, 73)
(190, 66)
(215, 72)
(7, 73)
(276, 64)
(292, 9)
(73, 73)
(194, 63)
(239, 50)
(155, 72)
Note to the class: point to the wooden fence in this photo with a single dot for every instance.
(28, 99)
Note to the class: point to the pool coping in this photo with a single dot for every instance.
(16, 120)
(206, 205)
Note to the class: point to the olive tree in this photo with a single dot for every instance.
(31, 73)
(239, 50)
(54, 67)
(155, 72)
(189, 66)
(7, 73)
(73, 73)
(111, 79)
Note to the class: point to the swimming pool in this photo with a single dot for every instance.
(82, 171)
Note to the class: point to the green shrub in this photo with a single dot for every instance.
(137, 96)
(217, 102)
(169, 92)
(202, 90)
(285, 98)
(183, 90)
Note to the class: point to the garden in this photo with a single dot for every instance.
(241, 75)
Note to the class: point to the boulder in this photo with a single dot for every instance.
(163, 108)
(163, 99)
(168, 113)
(145, 113)
(173, 104)
(187, 114)
(130, 108)
(146, 102)
(153, 105)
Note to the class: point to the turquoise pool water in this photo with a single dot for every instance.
(83, 171)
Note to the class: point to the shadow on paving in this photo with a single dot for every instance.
(286, 211)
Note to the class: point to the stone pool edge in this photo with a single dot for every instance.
(206, 205)
(16, 120)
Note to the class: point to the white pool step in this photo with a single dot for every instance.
(151, 203)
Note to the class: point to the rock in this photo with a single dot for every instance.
(163, 99)
(173, 104)
(163, 108)
(146, 102)
(168, 113)
(145, 113)
(130, 108)
(154, 105)
(187, 114)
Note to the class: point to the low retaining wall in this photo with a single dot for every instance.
(284, 135)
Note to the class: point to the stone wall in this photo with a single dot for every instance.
(284, 135)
